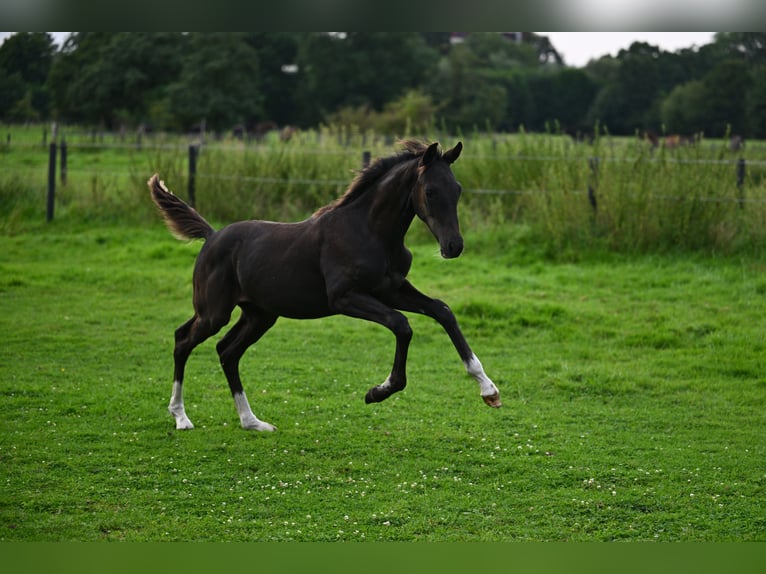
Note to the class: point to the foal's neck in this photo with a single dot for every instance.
(390, 210)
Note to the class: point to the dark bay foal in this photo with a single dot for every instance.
(348, 258)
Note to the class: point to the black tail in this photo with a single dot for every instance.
(183, 220)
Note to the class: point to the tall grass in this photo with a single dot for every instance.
(618, 193)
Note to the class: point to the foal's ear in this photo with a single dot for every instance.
(431, 153)
(452, 154)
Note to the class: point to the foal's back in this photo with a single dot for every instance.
(268, 265)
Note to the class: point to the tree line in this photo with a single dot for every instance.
(391, 82)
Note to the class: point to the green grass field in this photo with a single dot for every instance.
(634, 392)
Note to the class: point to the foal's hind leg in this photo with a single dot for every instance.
(188, 336)
(250, 327)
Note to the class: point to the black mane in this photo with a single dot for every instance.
(413, 149)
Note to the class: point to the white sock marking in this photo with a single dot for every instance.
(476, 370)
(246, 417)
(176, 408)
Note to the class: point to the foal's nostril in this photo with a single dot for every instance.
(454, 248)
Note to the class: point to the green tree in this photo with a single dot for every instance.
(115, 78)
(639, 86)
(25, 61)
(756, 105)
(521, 106)
(726, 88)
(564, 96)
(12, 90)
(685, 110)
(74, 80)
(498, 52)
(358, 69)
(219, 83)
(747, 46)
(279, 73)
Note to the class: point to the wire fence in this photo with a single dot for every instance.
(59, 152)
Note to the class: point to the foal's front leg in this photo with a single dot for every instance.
(363, 306)
(407, 298)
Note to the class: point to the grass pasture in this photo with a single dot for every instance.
(634, 392)
(647, 200)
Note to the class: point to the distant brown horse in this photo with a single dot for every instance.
(677, 140)
(348, 258)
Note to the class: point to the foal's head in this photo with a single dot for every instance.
(436, 195)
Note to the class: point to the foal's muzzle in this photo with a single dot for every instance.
(452, 248)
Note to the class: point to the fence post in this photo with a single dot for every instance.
(741, 181)
(593, 182)
(63, 161)
(51, 181)
(365, 159)
(193, 149)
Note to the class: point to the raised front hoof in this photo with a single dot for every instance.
(493, 400)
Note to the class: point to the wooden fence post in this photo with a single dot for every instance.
(51, 181)
(63, 161)
(741, 181)
(593, 182)
(365, 159)
(193, 150)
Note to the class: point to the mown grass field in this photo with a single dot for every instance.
(634, 390)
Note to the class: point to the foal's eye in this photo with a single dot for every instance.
(430, 193)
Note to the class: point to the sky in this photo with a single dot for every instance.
(577, 48)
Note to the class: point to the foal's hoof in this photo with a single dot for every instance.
(493, 400)
(258, 425)
(373, 396)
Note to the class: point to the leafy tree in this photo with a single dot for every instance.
(685, 110)
(25, 61)
(438, 41)
(521, 106)
(546, 53)
(498, 52)
(639, 84)
(471, 83)
(359, 69)
(497, 80)
(115, 78)
(73, 80)
(12, 89)
(563, 96)
(414, 111)
(219, 83)
(726, 88)
(756, 105)
(747, 46)
(279, 81)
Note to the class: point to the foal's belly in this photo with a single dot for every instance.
(288, 293)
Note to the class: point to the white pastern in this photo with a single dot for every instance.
(176, 408)
(246, 417)
(486, 387)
